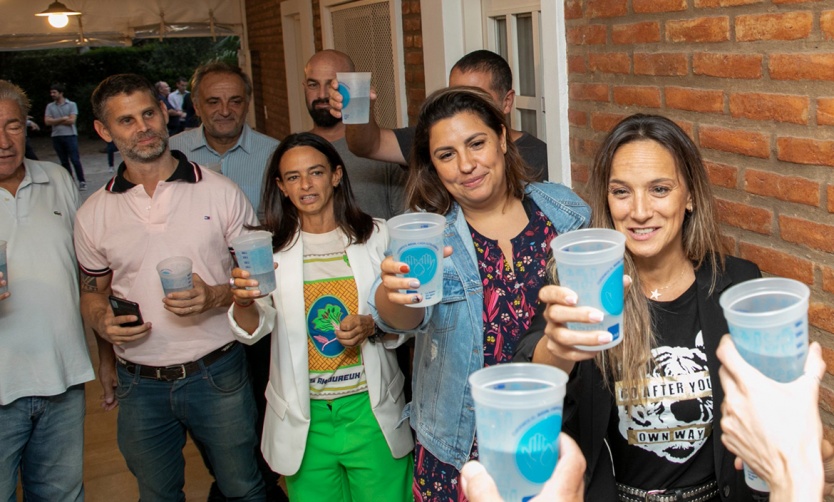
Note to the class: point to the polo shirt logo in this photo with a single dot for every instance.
(206, 217)
(58, 213)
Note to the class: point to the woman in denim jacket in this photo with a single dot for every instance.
(498, 227)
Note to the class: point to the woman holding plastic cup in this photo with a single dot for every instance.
(335, 392)
(652, 404)
(498, 224)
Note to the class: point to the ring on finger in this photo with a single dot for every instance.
(232, 282)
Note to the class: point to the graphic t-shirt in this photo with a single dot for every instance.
(667, 443)
(329, 296)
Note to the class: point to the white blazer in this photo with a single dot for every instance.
(282, 313)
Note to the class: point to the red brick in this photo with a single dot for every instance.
(701, 4)
(721, 174)
(702, 29)
(637, 96)
(688, 127)
(695, 100)
(573, 9)
(752, 144)
(829, 194)
(588, 92)
(579, 173)
(727, 65)
(828, 282)
(609, 62)
(821, 316)
(828, 358)
(660, 64)
(825, 111)
(808, 233)
(743, 216)
(651, 6)
(805, 151)
(601, 121)
(801, 66)
(827, 398)
(637, 33)
(577, 117)
(576, 64)
(784, 26)
(777, 2)
(778, 263)
(591, 34)
(775, 107)
(607, 8)
(827, 24)
(586, 147)
(788, 188)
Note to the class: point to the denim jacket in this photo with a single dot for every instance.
(449, 341)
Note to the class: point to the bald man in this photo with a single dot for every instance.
(378, 186)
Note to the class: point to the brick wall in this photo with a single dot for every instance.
(263, 19)
(752, 82)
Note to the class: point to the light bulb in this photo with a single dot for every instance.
(58, 20)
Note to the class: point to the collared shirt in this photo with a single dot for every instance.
(175, 98)
(194, 213)
(42, 346)
(56, 111)
(244, 163)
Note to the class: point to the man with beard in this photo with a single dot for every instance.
(378, 186)
(225, 143)
(180, 370)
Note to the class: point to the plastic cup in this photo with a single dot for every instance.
(518, 414)
(355, 88)
(417, 239)
(175, 274)
(4, 267)
(768, 321)
(590, 262)
(254, 254)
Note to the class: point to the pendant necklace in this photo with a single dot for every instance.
(657, 292)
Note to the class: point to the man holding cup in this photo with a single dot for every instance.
(180, 370)
(44, 360)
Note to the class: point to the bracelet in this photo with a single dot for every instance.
(241, 305)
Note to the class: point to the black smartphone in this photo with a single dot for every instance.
(126, 307)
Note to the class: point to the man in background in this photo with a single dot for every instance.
(62, 114)
(378, 186)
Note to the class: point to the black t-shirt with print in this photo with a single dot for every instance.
(668, 442)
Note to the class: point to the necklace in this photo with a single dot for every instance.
(657, 292)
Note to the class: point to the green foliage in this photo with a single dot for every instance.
(326, 317)
(80, 70)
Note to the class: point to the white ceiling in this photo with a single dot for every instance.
(116, 22)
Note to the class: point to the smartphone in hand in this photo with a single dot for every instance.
(126, 307)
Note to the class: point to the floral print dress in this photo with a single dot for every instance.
(510, 300)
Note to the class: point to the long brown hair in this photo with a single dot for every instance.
(631, 361)
(424, 190)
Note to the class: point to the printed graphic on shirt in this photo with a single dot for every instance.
(677, 417)
(330, 295)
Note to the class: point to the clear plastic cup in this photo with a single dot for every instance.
(4, 267)
(175, 274)
(417, 239)
(355, 88)
(590, 262)
(518, 414)
(254, 254)
(768, 321)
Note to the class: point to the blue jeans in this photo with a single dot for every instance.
(43, 437)
(215, 405)
(67, 149)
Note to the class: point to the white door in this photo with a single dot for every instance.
(299, 46)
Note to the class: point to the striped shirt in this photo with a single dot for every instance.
(244, 163)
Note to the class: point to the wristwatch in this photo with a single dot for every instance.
(378, 334)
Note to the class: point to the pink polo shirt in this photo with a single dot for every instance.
(195, 213)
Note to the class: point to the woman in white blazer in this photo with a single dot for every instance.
(335, 393)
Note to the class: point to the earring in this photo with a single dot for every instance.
(689, 208)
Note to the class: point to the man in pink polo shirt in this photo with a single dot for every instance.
(180, 371)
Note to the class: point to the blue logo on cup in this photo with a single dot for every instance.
(611, 294)
(345, 92)
(537, 450)
(422, 261)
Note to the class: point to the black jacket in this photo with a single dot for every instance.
(588, 403)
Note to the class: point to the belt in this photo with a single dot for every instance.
(690, 494)
(176, 371)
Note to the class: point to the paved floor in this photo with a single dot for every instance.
(94, 162)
